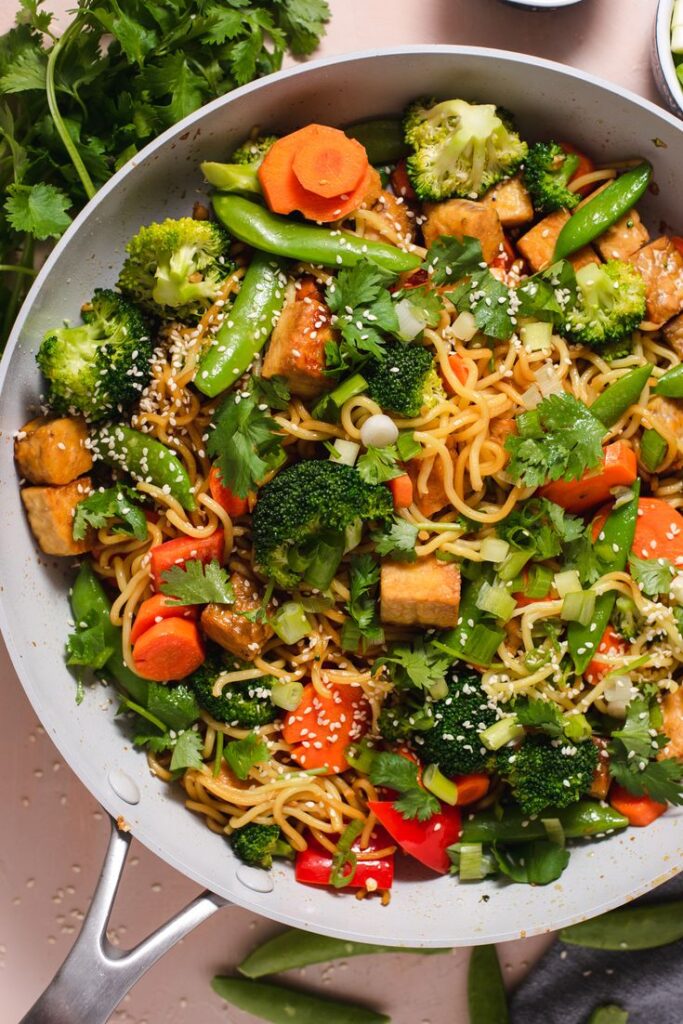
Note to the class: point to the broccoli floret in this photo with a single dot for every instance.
(402, 715)
(453, 743)
(102, 365)
(609, 305)
(252, 151)
(300, 519)
(461, 148)
(547, 170)
(405, 380)
(176, 269)
(545, 772)
(256, 845)
(626, 619)
(243, 705)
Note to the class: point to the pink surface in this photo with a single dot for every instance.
(54, 834)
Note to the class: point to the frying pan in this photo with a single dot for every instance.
(163, 180)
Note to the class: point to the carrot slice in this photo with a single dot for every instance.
(185, 549)
(618, 468)
(640, 810)
(659, 530)
(401, 183)
(221, 493)
(327, 162)
(171, 649)
(471, 787)
(611, 643)
(457, 365)
(321, 728)
(156, 608)
(401, 488)
(585, 166)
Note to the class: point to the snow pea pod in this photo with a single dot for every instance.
(584, 818)
(246, 327)
(628, 928)
(240, 178)
(603, 210)
(269, 232)
(615, 541)
(382, 139)
(610, 1014)
(486, 997)
(671, 384)
(295, 948)
(611, 405)
(89, 603)
(145, 459)
(288, 1006)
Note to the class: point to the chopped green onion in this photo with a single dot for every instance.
(493, 549)
(554, 830)
(438, 690)
(319, 573)
(502, 732)
(538, 581)
(482, 644)
(290, 622)
(437, 783)
(513, 565)
(344, 452)
(360, 755)
(407, 446)
(537, 337)
(465, 326)
(579, 607)
(353, 535)
(286, 695)
(218, 756)
(471, 867)
(529, 424)
(567, 582)
(496, 600)
(652, 449)
(576, 727)
(327, 407)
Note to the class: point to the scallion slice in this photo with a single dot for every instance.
(502, 732)
(497, 601)
(579, 607)
(437, 783)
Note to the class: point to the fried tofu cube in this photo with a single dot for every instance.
(52, 451)
(50, 513)
(538, 245)
(672, 724)
(421, 593)
(297, 346)
(625, 237)
(673, 334)
(391, 220)
(511, 201)
(223, 624)
(666, 416)
(462, 217)
(661, 265)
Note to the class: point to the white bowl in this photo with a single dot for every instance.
(663, 67)
(542, 5)
(549, 99)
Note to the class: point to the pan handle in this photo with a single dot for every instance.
(96, 975)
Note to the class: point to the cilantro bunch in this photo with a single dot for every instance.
(75, 108)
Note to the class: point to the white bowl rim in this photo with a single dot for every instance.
(663, 55)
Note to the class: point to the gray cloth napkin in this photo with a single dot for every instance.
(569, 982)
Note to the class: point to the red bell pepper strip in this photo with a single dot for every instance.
(611, 643)
(584, 166)
(314, 865)
(184, 549)
(640, 810)
(222, 494)
(426, 841)
(401, 183)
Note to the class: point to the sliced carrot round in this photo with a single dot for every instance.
(155, 609)
(471, 787)
(171, 649)
(659, 530)
(221, 493)
(321, 728)
(327, 162)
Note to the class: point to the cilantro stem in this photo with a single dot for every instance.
(144, 713)
(18, 289)
(9, 268)
(51, 94)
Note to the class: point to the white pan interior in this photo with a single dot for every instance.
(164, 181)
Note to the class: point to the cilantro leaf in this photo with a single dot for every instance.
(39, 210)
(398, 540)
(653, 575)
(572, 443)
(272, 391)
(243, 754)
(540, 527)
(246, 442)
(88, 648)
(360, 285)
(400, 773)
(416, 664)
(450, 259)
(116, 502)
(304, 22)
(426, 302)
(196, 583)
(362, 630)
(489, 301)
(633, 751)
(187, 751)
(376, 465)
(545, 295)
(540, 714)
(362, 309)
(26, 71)
(175, 706)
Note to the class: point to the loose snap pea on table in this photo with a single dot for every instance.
(608, 1015)
(288, 1006)
(246, 327)
(486, 997)
(630, 928)
(585, 818)
(295, 948)
(671, 384)
(331, 247)
(383, 139)
(611, 405)
(603, 210)
(240, 178)
(145, 459)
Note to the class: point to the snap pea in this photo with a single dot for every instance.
(89, 602)
(615, 541)
(145, 459)
(295, 948)
(603, 210)
(246, 327)
(611, 405)
(584, 818)
(288, 1006)
(486, 996)
(269, 232)
(383, 139)
(611, 1014)
(240, 178)
(653, 448)
(629, 928)
(671, 384)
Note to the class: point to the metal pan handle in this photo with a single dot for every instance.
(96, 975)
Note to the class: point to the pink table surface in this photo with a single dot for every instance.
(54, 834)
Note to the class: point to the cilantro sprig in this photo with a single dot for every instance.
(399, 773)
(570, 444)
(363, 312)
(119, 503)
(246, 441)
(633, 755)
(362, 629)
(196, 583)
